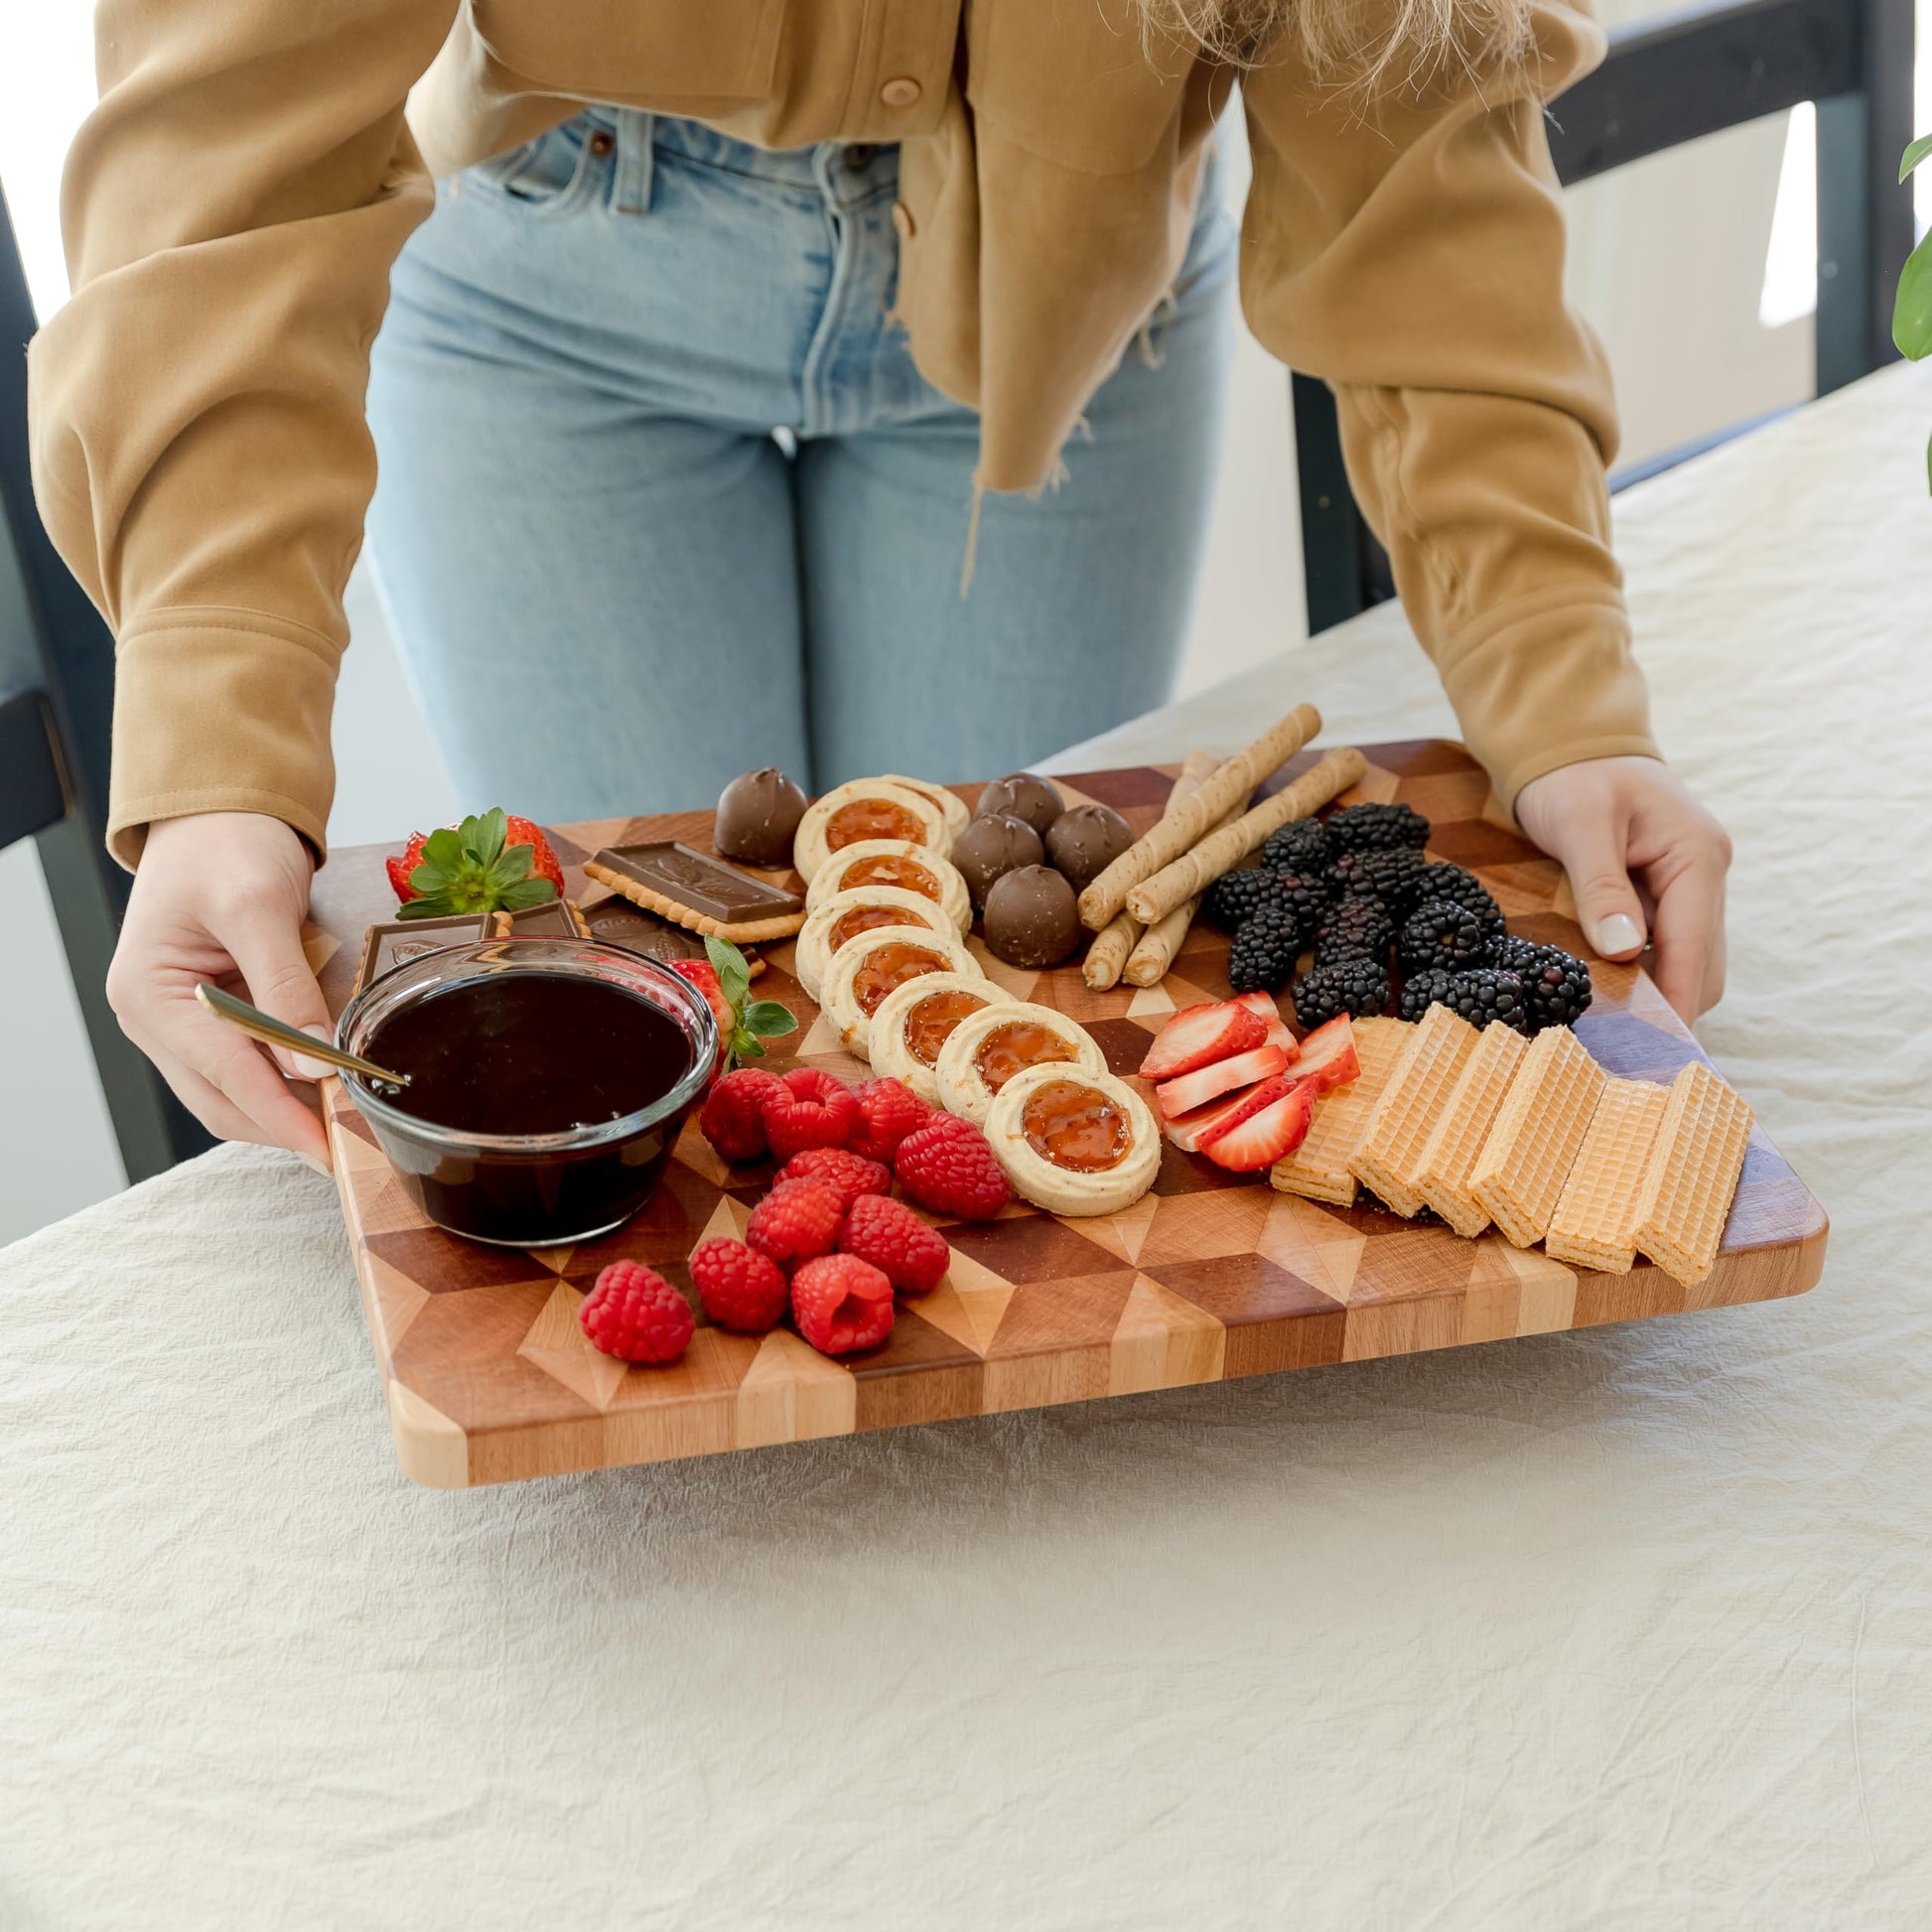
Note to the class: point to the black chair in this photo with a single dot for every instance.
(1666, 83)
(57, 693)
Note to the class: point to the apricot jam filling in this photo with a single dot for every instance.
(1076, 1127)
(863, 918)
(873, 818)
(889, 967)
(889, 868)
(933, 1020)
(1011, 1050)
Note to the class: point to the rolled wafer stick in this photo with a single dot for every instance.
(1147, 963)
(1221, 851)
(1115, 941)
(1180, 828)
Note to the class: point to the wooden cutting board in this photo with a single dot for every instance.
(1210, 1275)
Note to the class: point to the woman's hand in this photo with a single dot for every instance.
(1643, 858)
(222, 897)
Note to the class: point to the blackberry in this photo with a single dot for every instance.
(1556, 983)
(1485, 995)
(1358, 927)
(1266, 948)
(1440, 933)
(1378, 828)
(1237, 896)
(1389, 872)
(1442, 881)
(1302, 844)
(1422, 992)
(1358, 987)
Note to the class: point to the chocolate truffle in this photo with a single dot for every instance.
(757, 817)
(1022, 795)
(1031, 918)
(989, 849)
(1085, 840)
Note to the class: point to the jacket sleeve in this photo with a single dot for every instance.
(231, 212)
(1410, 253)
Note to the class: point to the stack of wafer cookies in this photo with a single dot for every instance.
(1533, 1135)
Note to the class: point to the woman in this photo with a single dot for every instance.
(960, 254)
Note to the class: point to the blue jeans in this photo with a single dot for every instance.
(662, 495)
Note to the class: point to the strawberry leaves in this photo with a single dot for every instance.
(753, 1021)
(472, 868)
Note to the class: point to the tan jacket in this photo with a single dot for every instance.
(233, 206)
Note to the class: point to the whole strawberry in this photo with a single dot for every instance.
(795, 1222)
(489, 863)
(635, 1314)
(844, 1171)
(948, 1166)
(811, 1109)
(887, 1233)
(842, 1304)
(888, 1110)
(740, 1288)
(733, 1117)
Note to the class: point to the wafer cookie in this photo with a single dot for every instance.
(1388, 1162)
(1532, 1143)
(1115, 943)
(1596, 1223)
(1693, 1174)
(1443, 1172)
(1318, 1167)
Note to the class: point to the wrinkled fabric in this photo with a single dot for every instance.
(1621, 1629)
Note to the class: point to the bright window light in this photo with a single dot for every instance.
(1791, 261)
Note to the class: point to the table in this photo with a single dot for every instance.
(1618, 1628)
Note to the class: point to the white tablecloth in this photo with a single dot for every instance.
(1623, 1628)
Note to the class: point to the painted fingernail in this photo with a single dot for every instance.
(305, 1068)
(1618, 933)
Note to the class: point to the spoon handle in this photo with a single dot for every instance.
(271, 1032)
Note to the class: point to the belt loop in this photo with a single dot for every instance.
(630, 186)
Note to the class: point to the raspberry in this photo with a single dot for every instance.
(733, 1120)
(888, 1110)
(896, 1242)
(635, 1314)
(740, 1288)
(848, 1175)
(947, 1166)
(842, 1304)
(808, 1109)
(794, 1222)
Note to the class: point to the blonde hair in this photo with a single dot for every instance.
(1371, 45)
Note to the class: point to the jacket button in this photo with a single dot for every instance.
(900, 91)
(602, 142)
(903, 221)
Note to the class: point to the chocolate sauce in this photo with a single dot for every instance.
(529, 1053)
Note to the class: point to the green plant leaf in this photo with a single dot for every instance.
(484, 836)
(443, 848)
(1928, 468)
(744, 1046)
(767, 1020)
(522, 894)
(1913, 155)
(733, 974)
(513, 865)
(429, 906)
(1911, 313)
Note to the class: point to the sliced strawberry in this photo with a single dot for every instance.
(1190, 1090)
(1269, 1135)
(1192, 1132)
(1199, 1036)
(1328, 1058)
(1262, 1006)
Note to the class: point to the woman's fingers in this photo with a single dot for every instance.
(1592, 849)
(1689, 967)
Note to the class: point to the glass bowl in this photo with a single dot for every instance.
(530, 1189)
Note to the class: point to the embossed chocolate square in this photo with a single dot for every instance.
(384, 946)
(619, 924)
(691, 888)
(555, 918)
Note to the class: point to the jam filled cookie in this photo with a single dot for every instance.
(867, 808)
(949, 802)
(842, 916)
(913, 1022)
(1000, 1042)
(894, 862)
(863, 970)
(1075, 1142)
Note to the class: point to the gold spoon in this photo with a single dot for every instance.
(257, 1025)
